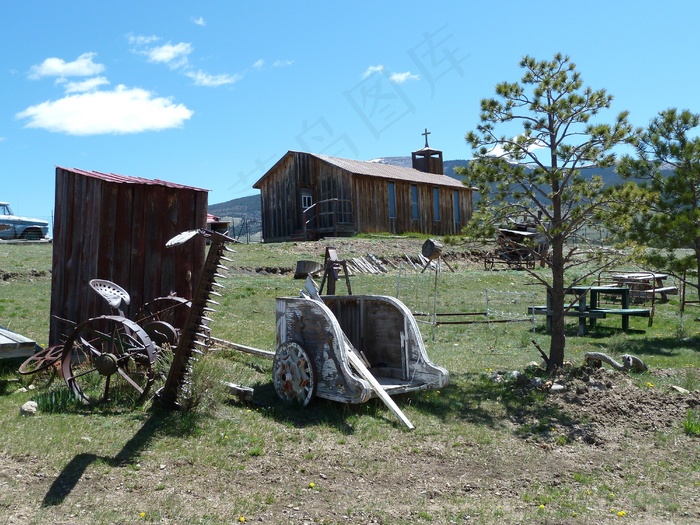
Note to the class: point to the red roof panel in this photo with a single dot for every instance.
(126, 179)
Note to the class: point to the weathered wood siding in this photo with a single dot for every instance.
(280, 194)
(367, 207)
(281, 198)
(372, 208)
(117, 231)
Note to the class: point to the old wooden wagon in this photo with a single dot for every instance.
(350, 349)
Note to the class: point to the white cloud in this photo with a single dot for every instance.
(205, 79)
(173, 55)
(83, 66)
(371, 70)
(86, 85)
(142, 40)
(282, 63)
(498, 151)
(259, 64)
(199, 21)
(120, 111)
(400, 78)
(396, 78)
(176, 56)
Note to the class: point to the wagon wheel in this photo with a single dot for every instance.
(109, 358)
(293, 374)
(163, 317)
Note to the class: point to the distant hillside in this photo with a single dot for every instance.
(244, 215)
(244, 208)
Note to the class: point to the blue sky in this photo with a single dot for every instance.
(212, 93)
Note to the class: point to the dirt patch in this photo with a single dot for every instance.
(390, 251)
(601, 403)
(30, 274)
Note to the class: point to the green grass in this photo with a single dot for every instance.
(481, 449)
(691, 424)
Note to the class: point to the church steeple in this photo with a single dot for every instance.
(427, 160)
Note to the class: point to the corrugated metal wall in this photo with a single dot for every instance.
(117, 231)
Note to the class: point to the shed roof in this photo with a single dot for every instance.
(126, 179)
(379, 170)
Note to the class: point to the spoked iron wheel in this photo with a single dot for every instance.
(109, 358)
(41, 360)
(163, 318)
(44, 364)
(293, 374)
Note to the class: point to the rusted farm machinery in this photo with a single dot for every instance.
(344, 348)
(112, 353)
(113, 357)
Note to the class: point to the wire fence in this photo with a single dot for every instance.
(432, 298)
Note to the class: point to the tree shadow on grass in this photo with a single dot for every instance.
(319, 411)
(469, 398)
(477, 399)
(659, 346)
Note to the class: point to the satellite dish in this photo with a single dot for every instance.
(181, 238)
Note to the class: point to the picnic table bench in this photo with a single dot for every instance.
(644, 285)
(584, 309)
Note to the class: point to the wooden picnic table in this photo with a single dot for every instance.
(14, 345)
(594, 306)
(644, 284)
(588, 306)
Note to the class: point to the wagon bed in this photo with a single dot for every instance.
(380, 328)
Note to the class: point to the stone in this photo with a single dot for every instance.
(537, 382)
(597, 385)
(513, 375)
(28, 409)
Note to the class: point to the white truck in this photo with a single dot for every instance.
(16, 227)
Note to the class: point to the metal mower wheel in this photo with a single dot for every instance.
(109, 358)
(163, 318)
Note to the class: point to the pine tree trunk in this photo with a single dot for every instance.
(558, 337)
(697, 260)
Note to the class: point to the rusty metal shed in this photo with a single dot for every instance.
(114, 227)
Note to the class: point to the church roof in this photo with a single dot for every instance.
(379, 170)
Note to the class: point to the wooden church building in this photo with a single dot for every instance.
(306, 196)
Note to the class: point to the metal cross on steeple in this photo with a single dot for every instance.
(425, 134)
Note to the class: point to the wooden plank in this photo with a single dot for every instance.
(14, 345)
(377, 263)
(588, 314)
(361, 369)
(243, 348)
(638, 312)
(370, 267)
